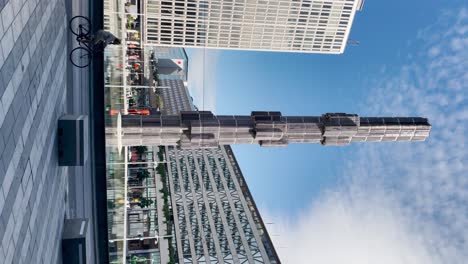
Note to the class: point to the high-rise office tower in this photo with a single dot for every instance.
(315, 26)
(214, 214)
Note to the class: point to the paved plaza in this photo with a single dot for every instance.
(37, 86)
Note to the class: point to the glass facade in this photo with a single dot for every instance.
(132, 205)
(137, 195)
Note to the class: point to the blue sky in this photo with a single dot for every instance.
(407, 199)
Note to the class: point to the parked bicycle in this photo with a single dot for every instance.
(81, 56)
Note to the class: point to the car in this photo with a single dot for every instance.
(113, 112)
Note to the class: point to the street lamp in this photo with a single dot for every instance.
(137, 86)
(141, 238)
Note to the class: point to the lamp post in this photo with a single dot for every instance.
(141, 238)
(138, 86)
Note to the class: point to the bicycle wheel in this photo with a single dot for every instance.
(80, 57)
(80, 25)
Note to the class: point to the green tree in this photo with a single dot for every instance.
(143, 174)
(161, 170)
(141, 149)
(160, 102)
(110, 204)
(144, 202)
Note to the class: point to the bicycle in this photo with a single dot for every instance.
(81, 56)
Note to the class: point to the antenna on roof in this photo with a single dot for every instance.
(353, 42)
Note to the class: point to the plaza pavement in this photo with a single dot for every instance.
(37, 86)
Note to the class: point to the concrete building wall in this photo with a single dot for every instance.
(317, 26)
(33, 59)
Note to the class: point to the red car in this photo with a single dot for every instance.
(113, 112)
(131, 111)
(138, 112)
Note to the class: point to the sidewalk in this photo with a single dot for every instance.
(33, 193)
(80, 186)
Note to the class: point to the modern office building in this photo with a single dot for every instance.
(314, 26)
(215, 217)
(169, 67)
(174, 94)
(196, 209)
(171, 61)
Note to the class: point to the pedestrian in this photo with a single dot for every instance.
(103, 38)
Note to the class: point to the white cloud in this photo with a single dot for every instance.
(349, 226)
(400, 203)
(202, 78)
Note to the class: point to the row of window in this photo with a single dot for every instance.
(259, 44)
(250, 18)
(231, 40)
(299, 46)
(238, 25)
(240, 6)
(249, 31)
(249, 12)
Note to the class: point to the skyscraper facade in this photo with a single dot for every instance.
(175, 95)
(196, 210)
(314, 26)
(215, 217)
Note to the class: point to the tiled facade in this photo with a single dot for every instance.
(176, 98)
(33, 58)
(315, 26)
(215, 217)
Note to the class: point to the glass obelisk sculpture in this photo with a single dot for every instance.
(202, 129)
